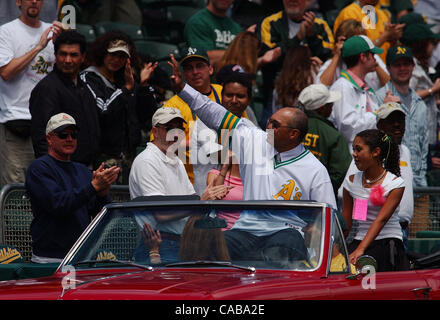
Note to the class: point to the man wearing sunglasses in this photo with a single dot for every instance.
(273, 163)
(64, 194)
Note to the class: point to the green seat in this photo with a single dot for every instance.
(135, 32)
(428, 234)
(87, 31)
(424, 245)
(180, 13)
(158, 51)
(25, 270)
(165, 3)
(177, 16)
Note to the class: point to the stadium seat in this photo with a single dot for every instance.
(180, 13)
(158, 51)
(87, 31)
(166, 3)
(134, 31)
(177, 16)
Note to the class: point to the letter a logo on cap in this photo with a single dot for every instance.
(191, 51)
(401, 50)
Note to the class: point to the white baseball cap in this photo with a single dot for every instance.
(165, 114)
(317, 95)
(386, 109)
(119, 45)
(59, 122)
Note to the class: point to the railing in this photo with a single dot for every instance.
(16, 214)
(426, 211)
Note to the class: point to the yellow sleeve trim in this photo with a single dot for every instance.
(331, 40)
(265, 28)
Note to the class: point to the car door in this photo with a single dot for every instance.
(406, 285)
(372, 285)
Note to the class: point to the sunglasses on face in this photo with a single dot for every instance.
(276, 125)
(168, 128)
(63, 135)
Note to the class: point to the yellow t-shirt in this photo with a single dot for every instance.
(339, 263)
(354, 11)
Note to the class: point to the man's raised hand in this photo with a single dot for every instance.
(176, 78)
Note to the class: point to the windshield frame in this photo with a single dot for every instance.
(251, 204)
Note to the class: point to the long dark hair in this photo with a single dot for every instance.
(99, 47)
(295, 75)
(389, 151)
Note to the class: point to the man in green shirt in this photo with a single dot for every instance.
(322, 138)
(211, 29)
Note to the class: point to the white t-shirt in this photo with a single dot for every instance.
(16, 39)
(154, 173)
(392, 228)
(406, 207)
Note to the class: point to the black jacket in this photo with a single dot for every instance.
(121, 112)
(57, 93)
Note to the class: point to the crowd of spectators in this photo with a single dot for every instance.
(320, 70)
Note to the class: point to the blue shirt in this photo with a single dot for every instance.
(62, 200)
(416, 137)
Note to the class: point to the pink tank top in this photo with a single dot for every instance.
(235, 193)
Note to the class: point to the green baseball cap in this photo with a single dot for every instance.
(359, 44)
(398, 52)
(418, 32)
(195, 53)
(413, 17)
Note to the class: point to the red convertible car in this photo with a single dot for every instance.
(220, 250)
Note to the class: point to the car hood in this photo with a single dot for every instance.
(165, 284)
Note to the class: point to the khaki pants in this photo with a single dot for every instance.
(16, 154)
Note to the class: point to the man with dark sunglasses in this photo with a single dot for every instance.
(64, 194)
(273, 165)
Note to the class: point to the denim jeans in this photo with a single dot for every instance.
(169, 252)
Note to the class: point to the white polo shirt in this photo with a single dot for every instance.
(154, 173)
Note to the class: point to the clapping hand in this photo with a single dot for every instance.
(128, 75)
(306, 28)
(147, 72)
(152, 239)
(215, 192)
(103, 178)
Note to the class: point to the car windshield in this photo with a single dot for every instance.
(236, 236)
